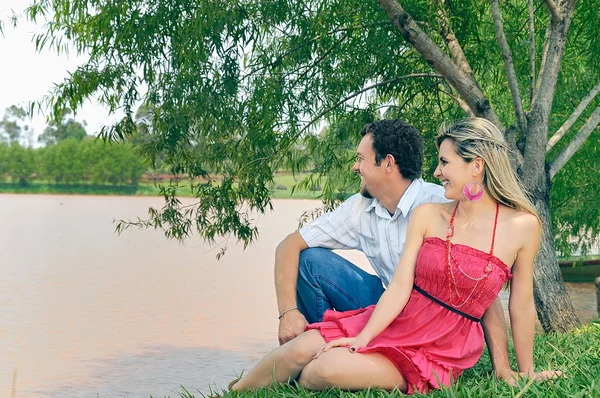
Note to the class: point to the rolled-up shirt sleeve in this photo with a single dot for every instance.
(337, 229)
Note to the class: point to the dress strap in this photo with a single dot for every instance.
(494, 232)
(450, 229)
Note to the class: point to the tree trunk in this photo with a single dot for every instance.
(554, 308)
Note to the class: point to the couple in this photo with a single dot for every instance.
(444, 253)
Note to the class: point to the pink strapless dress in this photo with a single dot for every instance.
(430, 344)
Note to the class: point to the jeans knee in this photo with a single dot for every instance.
(311, 257)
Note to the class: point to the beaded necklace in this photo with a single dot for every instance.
(450, 261)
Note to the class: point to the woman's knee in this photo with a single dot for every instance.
(301, 349)
(316, 375)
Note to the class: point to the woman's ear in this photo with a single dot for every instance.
(478, 166)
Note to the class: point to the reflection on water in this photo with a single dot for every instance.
(88, 313)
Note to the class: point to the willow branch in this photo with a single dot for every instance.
(553, 9)
(513, 84)
(531, 50)
(460, 103)
(340, 102)
(542, 64)
(575, 144)
(573, 118)
(465, 85)
(452, 42)
(279, 58)
(318, 60)
(359, 92)
(557, 34)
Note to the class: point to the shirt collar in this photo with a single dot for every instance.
(406, 201)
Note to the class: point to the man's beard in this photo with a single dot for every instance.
(365, 192)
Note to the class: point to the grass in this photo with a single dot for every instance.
(576, 353)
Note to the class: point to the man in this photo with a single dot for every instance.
(310, 278)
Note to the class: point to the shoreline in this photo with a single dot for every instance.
(151, 191)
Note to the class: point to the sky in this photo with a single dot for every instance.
(27, 75)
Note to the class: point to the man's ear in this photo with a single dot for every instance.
(390, 162)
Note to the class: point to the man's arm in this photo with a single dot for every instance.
(496, 338)
(287, 255)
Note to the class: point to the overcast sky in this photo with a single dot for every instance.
(26, 75)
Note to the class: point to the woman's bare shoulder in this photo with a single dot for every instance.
(522, 222)
(432, 212)
(435, 208)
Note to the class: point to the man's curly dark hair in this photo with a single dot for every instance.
(399, 139)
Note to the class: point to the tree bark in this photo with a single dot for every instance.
(531, 51)
(513, 83)
(573, 118)
(576, 143)
(553, 305)
(597, 282)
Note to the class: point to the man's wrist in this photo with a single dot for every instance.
(286, 311)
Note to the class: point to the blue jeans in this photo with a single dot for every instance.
(328, 281)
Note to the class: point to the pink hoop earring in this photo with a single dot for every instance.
(473, 191)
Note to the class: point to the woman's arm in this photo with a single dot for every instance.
(520, 305)
(496, 338)
(395, 297)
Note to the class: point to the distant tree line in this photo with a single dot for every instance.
(71, 161)
(69, 155)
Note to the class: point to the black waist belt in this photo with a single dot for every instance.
(448, 307)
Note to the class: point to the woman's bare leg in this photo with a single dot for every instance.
(284, 363)
(340, 368)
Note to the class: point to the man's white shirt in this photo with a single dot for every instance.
(366, 225)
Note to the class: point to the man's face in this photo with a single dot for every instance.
(370, 174)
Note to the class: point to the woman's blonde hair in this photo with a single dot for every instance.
(478, 137)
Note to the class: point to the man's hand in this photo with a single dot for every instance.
(511, 377)
(291, 325)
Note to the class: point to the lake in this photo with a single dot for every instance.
(88, 313)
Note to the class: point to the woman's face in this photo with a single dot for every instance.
(452, 171)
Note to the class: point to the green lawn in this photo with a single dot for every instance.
(576, 353)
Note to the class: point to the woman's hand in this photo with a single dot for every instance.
(353, 344)
(511, 377)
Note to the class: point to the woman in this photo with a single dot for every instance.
(425, 330)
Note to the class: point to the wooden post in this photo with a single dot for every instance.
(598, 294)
